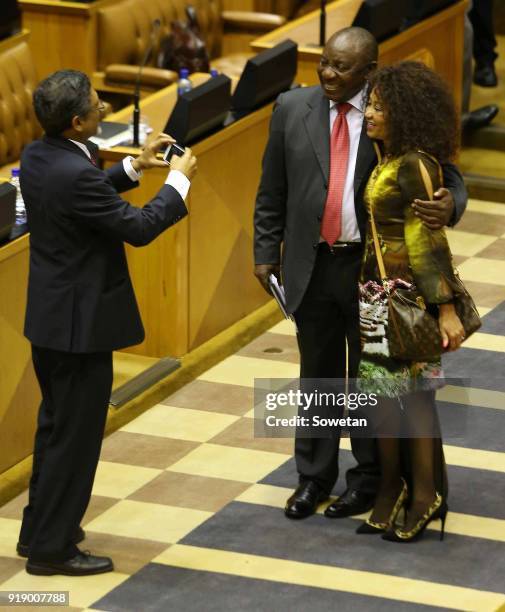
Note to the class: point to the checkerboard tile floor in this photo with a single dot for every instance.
(188, 502)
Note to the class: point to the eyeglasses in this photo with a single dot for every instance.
(99, 108)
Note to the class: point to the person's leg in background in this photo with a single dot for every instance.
(479, 117)
(484, 43)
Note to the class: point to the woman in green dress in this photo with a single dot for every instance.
(412, 119)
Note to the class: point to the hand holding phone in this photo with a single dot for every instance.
(173, 149)
(185, 164)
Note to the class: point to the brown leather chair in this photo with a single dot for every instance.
(18, 124)
(124, 32)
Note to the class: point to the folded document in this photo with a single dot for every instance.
(278, 293)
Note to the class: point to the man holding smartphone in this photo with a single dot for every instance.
(81, 305)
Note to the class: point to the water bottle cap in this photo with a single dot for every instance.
(184, 73)
(15, 172)
(213, 72)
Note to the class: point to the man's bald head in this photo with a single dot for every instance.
(357, 39)
(348, 57)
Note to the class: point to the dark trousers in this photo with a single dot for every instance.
(484, 41)
(75, 396)
(328, 316)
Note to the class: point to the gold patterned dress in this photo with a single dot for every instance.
(413, 254)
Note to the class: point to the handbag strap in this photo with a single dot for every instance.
(375, 235)
(425, 175)
(378, 253)
(428, 185)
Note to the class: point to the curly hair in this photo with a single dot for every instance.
(419, 110)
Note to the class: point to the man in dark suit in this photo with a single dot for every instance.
(81, 305)
(310, 203)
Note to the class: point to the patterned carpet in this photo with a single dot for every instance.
(189, 504)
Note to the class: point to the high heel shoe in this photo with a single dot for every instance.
(371, 527)
(437, 510)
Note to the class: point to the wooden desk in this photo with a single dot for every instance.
(437, 41)
(19, 391)
(196, 279)
(63, 34)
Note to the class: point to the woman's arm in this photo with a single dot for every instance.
(429, 253)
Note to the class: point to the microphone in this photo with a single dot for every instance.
(322, 24)
(136, 96)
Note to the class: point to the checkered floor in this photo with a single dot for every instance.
(188, 503)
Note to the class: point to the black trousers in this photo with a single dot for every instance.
(75, 396)
(327, 317)
(484, 41)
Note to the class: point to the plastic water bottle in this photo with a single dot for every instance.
(213, 72)
(184, 84)
(20, 205)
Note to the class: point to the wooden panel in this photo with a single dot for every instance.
(63, 34)
(222, 288)
(159, 275)
(239, 5)
(19, 392)
(305, 30)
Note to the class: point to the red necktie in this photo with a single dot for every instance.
(331, 226)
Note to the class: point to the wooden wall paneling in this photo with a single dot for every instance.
(63, 34)
(19, 391)
(222, 287)
(160, 278)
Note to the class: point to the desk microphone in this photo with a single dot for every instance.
(322, 24)
(136, 96)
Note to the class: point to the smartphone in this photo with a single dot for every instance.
(173, 149)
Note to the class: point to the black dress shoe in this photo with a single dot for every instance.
(349, 504)
(304, 500)
(485, 75)
(479, 118)
(83, 564)
(23, 550)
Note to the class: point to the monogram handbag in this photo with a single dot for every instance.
(413, 333)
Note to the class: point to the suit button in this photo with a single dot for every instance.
(315, 245)
(319, 217)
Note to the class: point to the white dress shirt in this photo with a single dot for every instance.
(175, 178)
(350, 230)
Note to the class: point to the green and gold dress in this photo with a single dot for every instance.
(412, 254)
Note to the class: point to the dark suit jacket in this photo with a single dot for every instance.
(80, 297)
(294, 183)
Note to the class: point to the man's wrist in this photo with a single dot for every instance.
(138, 165)
(453, 212)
